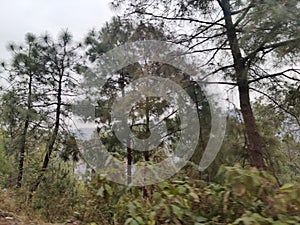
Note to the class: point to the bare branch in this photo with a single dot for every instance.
(277, 104)
(268, 48)
(189, 19)
(221, 68)
(275, 75)
(219, 82)
(245, 11)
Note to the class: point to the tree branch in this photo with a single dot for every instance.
(277, 104)
(189, 19)
(270, 47)
(275, 75)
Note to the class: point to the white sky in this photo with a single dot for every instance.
(18, 17)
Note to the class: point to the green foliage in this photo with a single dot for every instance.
(246, 196)
(233, 148)
(171, 203)
(102, 196)
(6, 167)
(280, 22)
(58, 196)
(281, 149)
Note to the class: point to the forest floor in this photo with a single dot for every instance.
(11, 215)
(7, 218)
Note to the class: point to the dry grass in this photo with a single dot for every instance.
(10, 214)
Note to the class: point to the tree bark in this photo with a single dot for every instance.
(128, 148)
(254, 140)
(25, 129)
(22, 153)
(129, 162)
(147, 189)
(50, 145)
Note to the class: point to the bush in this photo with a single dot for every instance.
(58, 196)
(246, 196)
(6, 169)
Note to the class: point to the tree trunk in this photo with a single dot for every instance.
(24, 133)
(147, 189)
(254, 140)
(147, 112)
(50, 145)
(128, 148)
(22, 154)
(129, 162)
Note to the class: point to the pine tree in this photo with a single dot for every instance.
(238, 40)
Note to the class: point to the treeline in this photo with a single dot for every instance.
(251, 53)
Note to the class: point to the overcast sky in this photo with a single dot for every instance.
(18, 17)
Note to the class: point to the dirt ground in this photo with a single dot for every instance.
(7, 218)
(10, 215)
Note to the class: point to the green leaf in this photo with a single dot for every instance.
(201, 219)
(128, 221)
(286, 186)
(181, 189)
(139, 220)
(152, 215)
(100, 192)
(132, 209)
(108, 189)
(194, 196)
(177, 211)
(134, 222)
